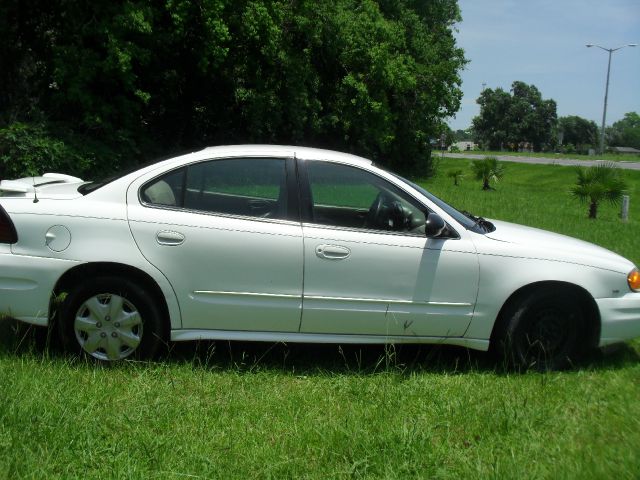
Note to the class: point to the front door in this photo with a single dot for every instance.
(370, 270)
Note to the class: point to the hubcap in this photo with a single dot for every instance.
(105, 339)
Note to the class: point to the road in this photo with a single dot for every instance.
(546, 160)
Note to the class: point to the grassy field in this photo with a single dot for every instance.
(615, 157)
(538, 196)
(239, 410)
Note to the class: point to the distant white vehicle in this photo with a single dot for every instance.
(277, 243)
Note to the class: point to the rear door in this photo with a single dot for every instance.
(225, 233)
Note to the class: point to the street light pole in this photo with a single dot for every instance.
(604, 110)
(606, 89)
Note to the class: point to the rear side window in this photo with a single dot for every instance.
(253, 187)
(167, 190)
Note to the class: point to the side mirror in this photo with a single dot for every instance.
(434, 225)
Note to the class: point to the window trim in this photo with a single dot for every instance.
(290, 184)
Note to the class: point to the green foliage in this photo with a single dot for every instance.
(625, 132)
(27, 150)
(463, 135)
(578, 134)
(488, 170)
(375, 78)
(457, 176)
(601, 183)
(516, 119)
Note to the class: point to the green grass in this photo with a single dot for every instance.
(538, 196)
(615, 157)
(254, 410)
(251, 410)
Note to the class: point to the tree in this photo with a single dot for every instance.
(511, 119)
(463, 135)
(578, 132)
(597, 184)
(488, 170)
(137, 78)
(625, 132)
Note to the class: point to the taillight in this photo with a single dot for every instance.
(7, 230)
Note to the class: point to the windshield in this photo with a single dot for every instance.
(468, 221)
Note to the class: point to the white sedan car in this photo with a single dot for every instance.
(288, 244)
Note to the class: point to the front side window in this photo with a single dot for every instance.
(254, 187)
(345, 196)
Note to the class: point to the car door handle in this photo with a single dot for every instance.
(332, 252)
(167, 237)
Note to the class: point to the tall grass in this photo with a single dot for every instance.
(249, 410)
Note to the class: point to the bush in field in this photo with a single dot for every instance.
(28, 150)
(488, 170)
(457, 176)
(597, 184)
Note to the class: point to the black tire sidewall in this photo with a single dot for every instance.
(522, 317)
(152, 326)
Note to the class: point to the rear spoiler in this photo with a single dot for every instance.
(28, 184)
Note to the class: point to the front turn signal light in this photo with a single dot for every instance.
(634, 280)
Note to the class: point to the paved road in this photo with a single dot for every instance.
(547, 160)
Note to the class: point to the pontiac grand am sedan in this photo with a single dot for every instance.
(289, 244)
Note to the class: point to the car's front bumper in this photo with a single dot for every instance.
(26, 284)
(620, 318)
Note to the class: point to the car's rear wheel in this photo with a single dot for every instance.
(110, 319)
(542, 330)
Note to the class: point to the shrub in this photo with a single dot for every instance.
(29, 150)
(488, 170)
(598, 184)
(457, 176)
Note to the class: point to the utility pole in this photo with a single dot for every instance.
(606, 89)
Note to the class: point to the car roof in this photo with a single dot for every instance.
(305, 153)
(227, 151)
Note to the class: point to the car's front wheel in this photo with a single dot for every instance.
(542, 330)
(110, 319)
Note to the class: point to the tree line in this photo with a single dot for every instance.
(90, 86)
(522, 119)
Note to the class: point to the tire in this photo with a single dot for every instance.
(542, 330)
(110, 319)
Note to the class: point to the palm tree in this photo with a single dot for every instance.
(597, 184)
(488, 170)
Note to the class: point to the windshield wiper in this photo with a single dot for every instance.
(486, 225)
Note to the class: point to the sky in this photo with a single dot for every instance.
(542, 42)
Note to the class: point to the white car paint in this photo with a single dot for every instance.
(391, 285)
(246, 278)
